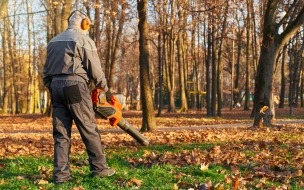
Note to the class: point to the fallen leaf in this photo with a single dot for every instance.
(175, 187)
(204, 166)
(136, 181)
(235, 183)
(297, 173)
(235, 170)
(227, 179)
(41, 182)
(20, 177)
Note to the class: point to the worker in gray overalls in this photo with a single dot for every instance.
(72, 62)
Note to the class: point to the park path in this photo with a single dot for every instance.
(232, 125)
(243, 125)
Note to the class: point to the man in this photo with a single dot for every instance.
(72, 62)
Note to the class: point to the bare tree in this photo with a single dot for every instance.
(148, 121)
(169, 52)
(220, 61)
(15, 66)
(4, 33)
(65, 13)
(283, 78)
(208, 61)
(29, 102)
(272, 42)
(180, 42)
(115, 18)
(248, 53)
(295, 54)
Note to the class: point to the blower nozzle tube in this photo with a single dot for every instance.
(126, 126)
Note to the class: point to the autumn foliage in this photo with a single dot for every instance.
(253, 156)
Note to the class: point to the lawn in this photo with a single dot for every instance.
(204, 158)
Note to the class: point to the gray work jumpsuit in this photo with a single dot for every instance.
(72, 61)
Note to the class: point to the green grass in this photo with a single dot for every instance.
(26, 172)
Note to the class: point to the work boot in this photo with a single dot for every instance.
(65, 181)
(105, 172)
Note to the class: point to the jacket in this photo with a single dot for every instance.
(72, 55)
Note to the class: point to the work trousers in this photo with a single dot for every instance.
(71, 100)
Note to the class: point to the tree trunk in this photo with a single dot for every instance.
(208, 84)
(263, 86)
(248, 65)
(237, 90)
(271, 44)
(12, 52)
(108, 41)
(57, 19)
(196, 64)
(5, 58)
(148, 121)
(160, 72)
(169, 53)
(294, 67)
(116, 41)
(214, 73)
(97, 25)
(16, 78)
(254, 38)
(220, 64)
(180, 60)
(113, 37)
(65, 13)
(29, 102)
(283, 79)
(171, 73)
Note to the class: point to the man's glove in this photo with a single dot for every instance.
(111, 99)
(109, 96)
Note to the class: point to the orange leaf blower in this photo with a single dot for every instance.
(113, 112)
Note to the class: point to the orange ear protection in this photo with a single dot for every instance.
(85, 23)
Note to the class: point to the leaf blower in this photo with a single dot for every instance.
(113, 112)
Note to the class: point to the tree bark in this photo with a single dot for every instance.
(4, 12)
(65, 13)
(160, 73)
(29, 103)
(271, 44)
(169, 53)
(248, 65)
(220, 64)
(14, 67)
(148, 121)
(283, 79)
(113, 37)
(97, 25)
(208, 84)
(214, 70)
(181, 64)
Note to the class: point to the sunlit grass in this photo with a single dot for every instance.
(35, 172)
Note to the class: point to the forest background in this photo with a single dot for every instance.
(200, 58)
(198, 54)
